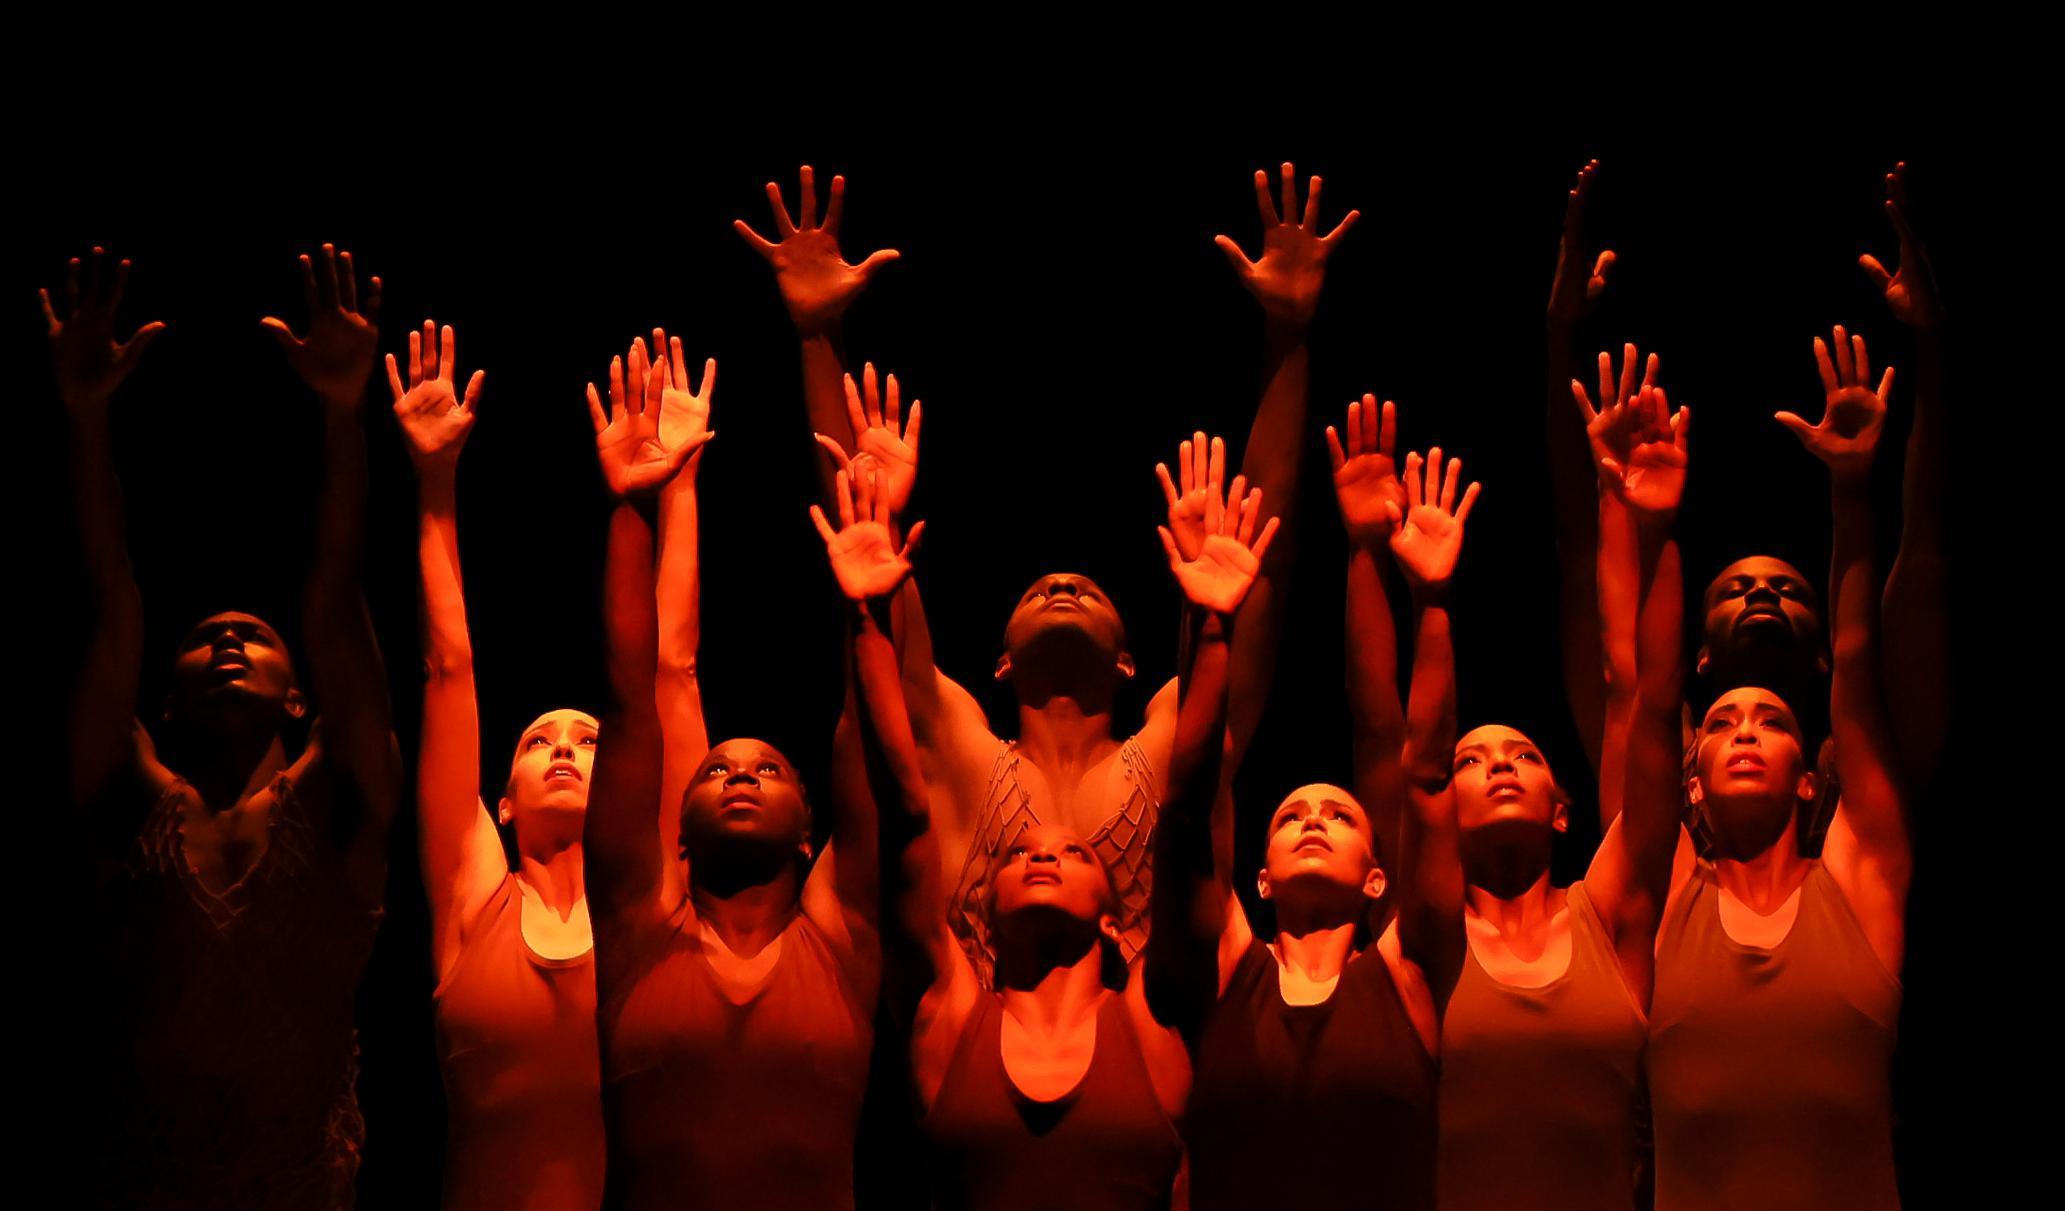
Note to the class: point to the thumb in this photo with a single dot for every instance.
(1800, 428)
(1875, 271)
(1169, 545)
(911, 541)
(1234, 256)
(281, 333)
(136, 344)
(876, 260)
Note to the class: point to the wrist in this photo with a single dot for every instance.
(1431, 594)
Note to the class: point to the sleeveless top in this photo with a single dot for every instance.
(1770, 1070)
(1105, 1145)
(717, 1104)
(1123, 843)
(240, 1053)
(523, 1076)
(1328, 1105)
(1538, 1084)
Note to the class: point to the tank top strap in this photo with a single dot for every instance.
(1592, 955)
(1833, 924)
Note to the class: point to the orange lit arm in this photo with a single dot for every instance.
(684, 418)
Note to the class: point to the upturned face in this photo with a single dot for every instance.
(232, 663)
(1321, 844)
(1751, 769)
(745, 791)
(1760, 602)
(1501, 777)
(551, 770)
(1049, 866)
(1067, 614)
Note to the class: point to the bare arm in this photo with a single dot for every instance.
(684, 418)
(1427, 541)
(1579, 280)
(1916, 614)
(1868, 849)
(460, 851)
(1641, 470)
(1372, 501)
(335, 359)
(1200, 922)
(620, 840)
(817, 286)
(1286, 280)
(90, 365)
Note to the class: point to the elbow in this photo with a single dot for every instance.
(678, 666)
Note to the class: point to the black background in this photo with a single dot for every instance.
(1060, 309)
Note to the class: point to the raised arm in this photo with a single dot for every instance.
(1574, 291)
(1372, 500)
(1640, 448)
(90, 364)
(1612, 606)
(620, 841)
(1868, 848)
(1286, 280)
(335, 359)
(684, 420)
(1201, 929)
(1427, 540)
(817, 286)
(457, 843)
(1916, 612)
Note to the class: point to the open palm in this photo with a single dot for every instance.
(1287, 277)
(1366, 482)
(816, 283)
(1429, 535)
(434, 418)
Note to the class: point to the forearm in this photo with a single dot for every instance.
(1864, 753)
(1372, 651)
(824, 393)
(1617, 580)
(349, 679)
(1652, 779)
(621, 841)
(1430, 913)
(1578, 514)
(104, 700)
(1271, 461)
(913, 638)
(1916, 611)
(1191, 884)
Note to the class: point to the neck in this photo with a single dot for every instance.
(1062, 994)
(556, 878)
(1764, 880)
(1318, 951)
(1058, 731)
(228, 767)
(1518, 917)
(747, 916)
(1505, 860)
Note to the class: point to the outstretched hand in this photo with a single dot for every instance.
(90, 362)
(1854, 414)
(1574, 291)
(1287, 277)
(816, 282)
(1639, 449)
(1910, 289)
(435, 418)
(684, 411)
(1229, 552)
(1428, 533)
(634, 458)
(863, 554)
(336, 356)
(1611, 439)
(1366, 473)
(1201, 465)
(886, 447)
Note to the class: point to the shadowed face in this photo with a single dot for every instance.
(745, 791)
(232, 663)
(1320, 841)
(1070, 616)
(1049, 866)
(549, 775)
(1501, 777)
(1751, 768)
(1760, 602)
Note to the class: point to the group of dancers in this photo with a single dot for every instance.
(658, 971)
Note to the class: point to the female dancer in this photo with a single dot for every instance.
(1057, 1087)
(244, 881)
(1321, 1033)
(1777, 975)
(735, 1000)
(1541, 1045)
(512, 949)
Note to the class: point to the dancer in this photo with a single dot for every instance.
(1058, 1086)
(1767, 959)
(1324, 1028)
(1542, 1041)
(512, 949)
(244, 881)
(735, 1012)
